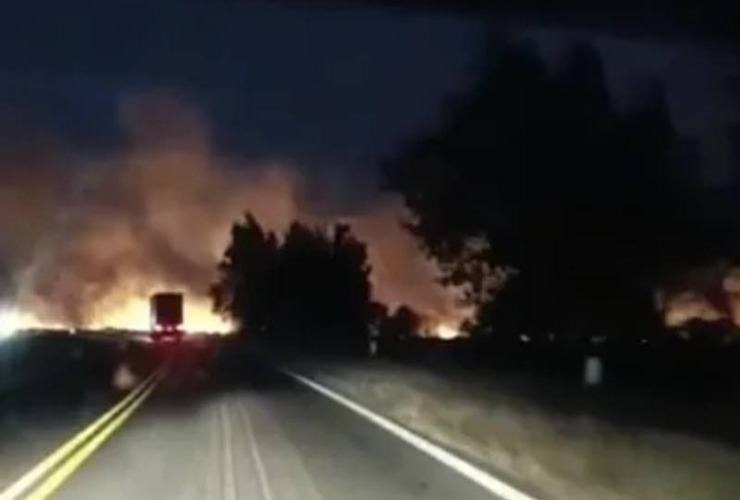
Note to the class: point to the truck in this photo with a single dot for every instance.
(166, 316)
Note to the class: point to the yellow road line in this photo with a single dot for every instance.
(75, 461)
(29, 478)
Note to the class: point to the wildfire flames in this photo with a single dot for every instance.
(84, 245)
(134, 315)
(446, 332)
(709, 294)
(85, 241)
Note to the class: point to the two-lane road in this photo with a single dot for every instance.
(267, 438)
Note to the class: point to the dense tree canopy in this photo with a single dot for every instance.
(309, 288)
(534, 169)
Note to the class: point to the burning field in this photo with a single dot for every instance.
(710, 294)
(84, 242)
(86, 239)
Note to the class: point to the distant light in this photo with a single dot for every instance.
(446, 332)
(10, 322)
(525, 338)
(551, 337)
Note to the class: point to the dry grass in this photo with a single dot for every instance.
(569, 458)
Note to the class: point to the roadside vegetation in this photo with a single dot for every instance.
(561, 218)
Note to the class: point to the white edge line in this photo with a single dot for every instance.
(470, 471)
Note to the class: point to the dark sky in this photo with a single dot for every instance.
(696, 75)
(321, 87)
(329, 89)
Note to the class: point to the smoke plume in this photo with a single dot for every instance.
(84, 245)
(709, 293)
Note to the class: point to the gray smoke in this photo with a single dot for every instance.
(86, 244)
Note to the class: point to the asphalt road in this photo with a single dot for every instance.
(43, 405)
(258, 435)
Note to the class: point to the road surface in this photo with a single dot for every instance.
(259, 435)
(52, 390)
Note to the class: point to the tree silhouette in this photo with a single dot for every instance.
(534, 169)
(310, 291)
(246, 290)
(402, 324)
(397, 328)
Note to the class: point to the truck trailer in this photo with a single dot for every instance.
(166, 315)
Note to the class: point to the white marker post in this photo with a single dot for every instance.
(593, 371)
(372, 339)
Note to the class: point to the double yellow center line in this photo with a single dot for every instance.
(42, 480)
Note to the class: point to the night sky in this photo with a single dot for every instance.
(331, 90)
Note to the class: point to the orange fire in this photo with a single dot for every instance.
(156, 214)
(446, 332)
(133, 314)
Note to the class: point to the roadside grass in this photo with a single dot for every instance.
(567, 456)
